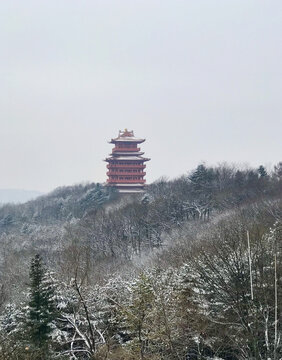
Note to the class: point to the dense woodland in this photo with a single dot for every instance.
(191, 269)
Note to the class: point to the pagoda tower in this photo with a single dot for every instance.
(126, 164)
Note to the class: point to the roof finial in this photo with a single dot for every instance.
(126, 133)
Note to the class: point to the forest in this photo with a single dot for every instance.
(191, 269)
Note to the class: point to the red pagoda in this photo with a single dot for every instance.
(126, 164)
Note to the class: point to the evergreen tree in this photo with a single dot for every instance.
(10, 319)
(262, 172)
(41, 309)
(137, 315)
(277, 174)
(202, 180)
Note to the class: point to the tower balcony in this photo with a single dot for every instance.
(125, 173)
(125, 149)
(126, 166)
(118, 181)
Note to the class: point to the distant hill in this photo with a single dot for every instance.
(17, 195)
(54, 209)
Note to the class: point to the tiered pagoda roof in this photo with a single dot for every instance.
(126, 136)
(126, 163)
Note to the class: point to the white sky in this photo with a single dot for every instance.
(200, 80)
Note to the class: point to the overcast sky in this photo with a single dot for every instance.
(200, 80)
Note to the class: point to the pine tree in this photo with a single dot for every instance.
(262, 172)
(137, 314)
(277, 174)
(41, 310)
(10, 319)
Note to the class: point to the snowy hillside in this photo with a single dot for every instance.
(191, 269)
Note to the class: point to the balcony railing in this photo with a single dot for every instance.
(117, 181)
(125, 173)
(121, 166)
(116, 149)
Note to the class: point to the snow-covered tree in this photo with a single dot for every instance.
(41, 310)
